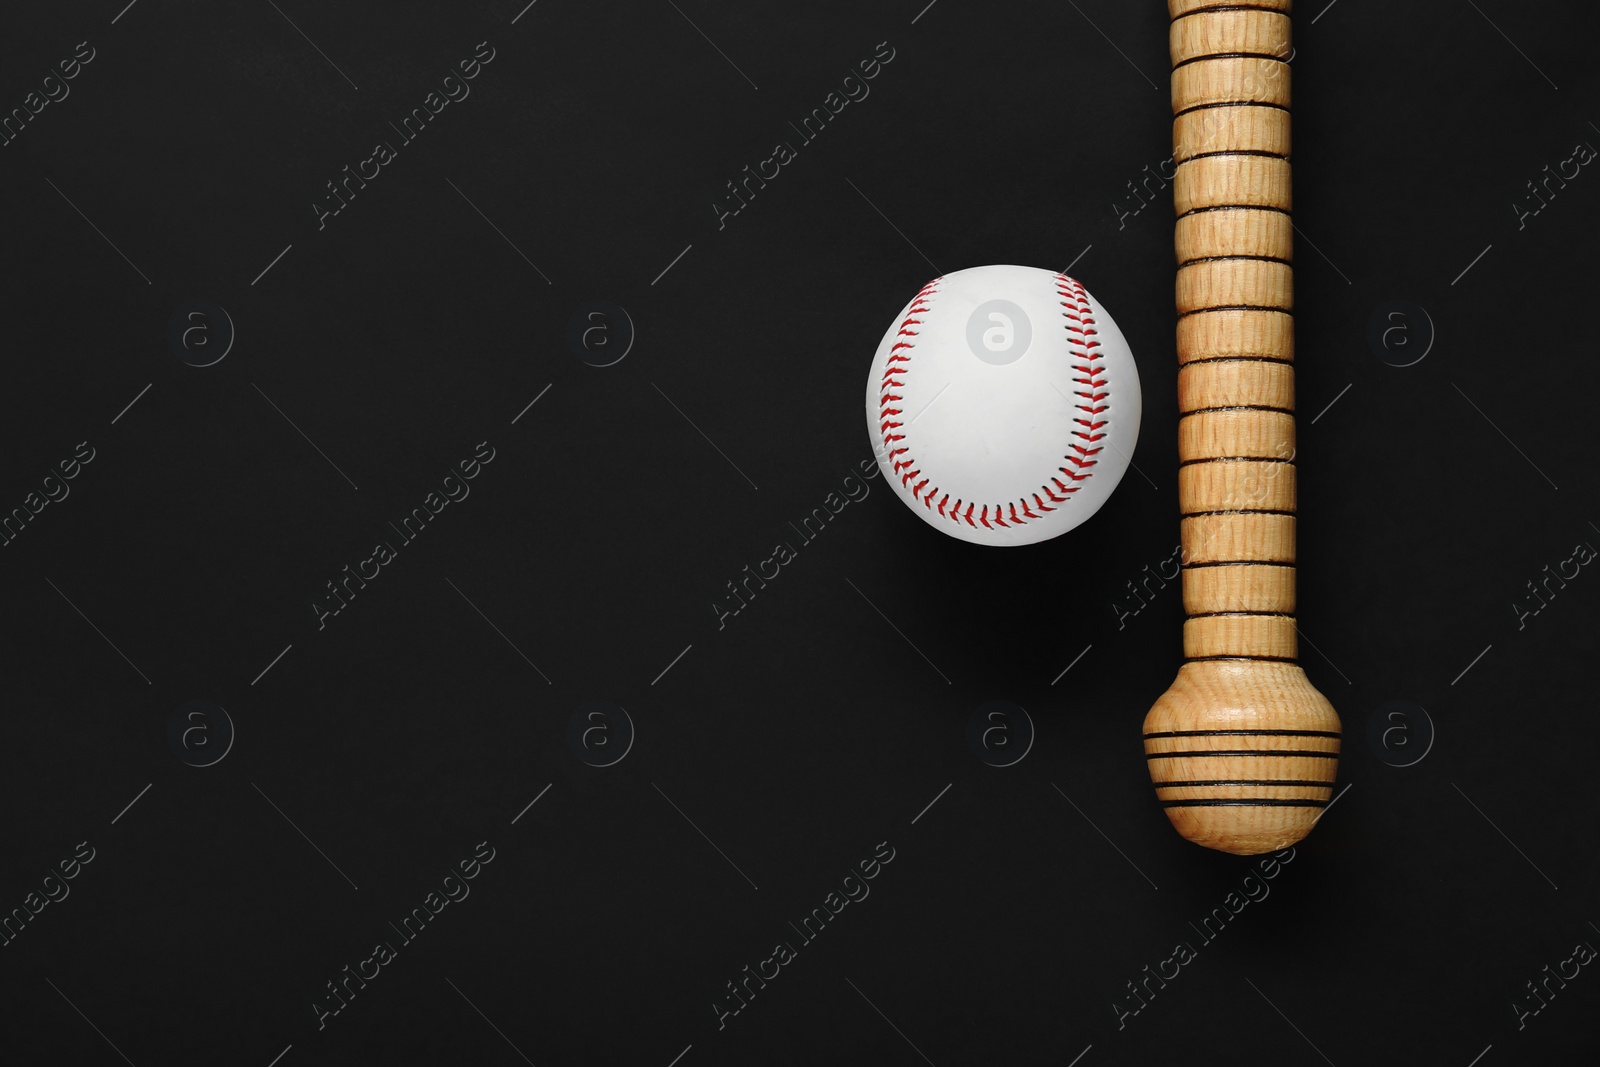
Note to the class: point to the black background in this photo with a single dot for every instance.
(807, 729)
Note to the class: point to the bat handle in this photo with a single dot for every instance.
(1242, 749)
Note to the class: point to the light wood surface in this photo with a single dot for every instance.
(1242, 748)
(1208, 234)
(1243, 127)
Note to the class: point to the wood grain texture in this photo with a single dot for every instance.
(1236, 433)
(1214, 589)
(1207, 488)
(1242, 748)
(1231, 383)
(1236, 724)
(1228, 181)
(1238, 538)
(1241, 232)
(1243, 127)
(1218, 283)
(1236, 334)
(1241, 32)
(1230, 80)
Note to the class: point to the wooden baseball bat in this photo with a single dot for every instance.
(1242, 748)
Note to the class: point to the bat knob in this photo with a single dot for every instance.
(1243, 754)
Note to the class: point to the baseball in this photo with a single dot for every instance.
(1003, 404)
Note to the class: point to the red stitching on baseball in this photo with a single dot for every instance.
(898, 354)
(1075, 299)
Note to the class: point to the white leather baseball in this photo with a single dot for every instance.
(1003, 404)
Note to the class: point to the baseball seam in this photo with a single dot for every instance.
(1094, 395)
